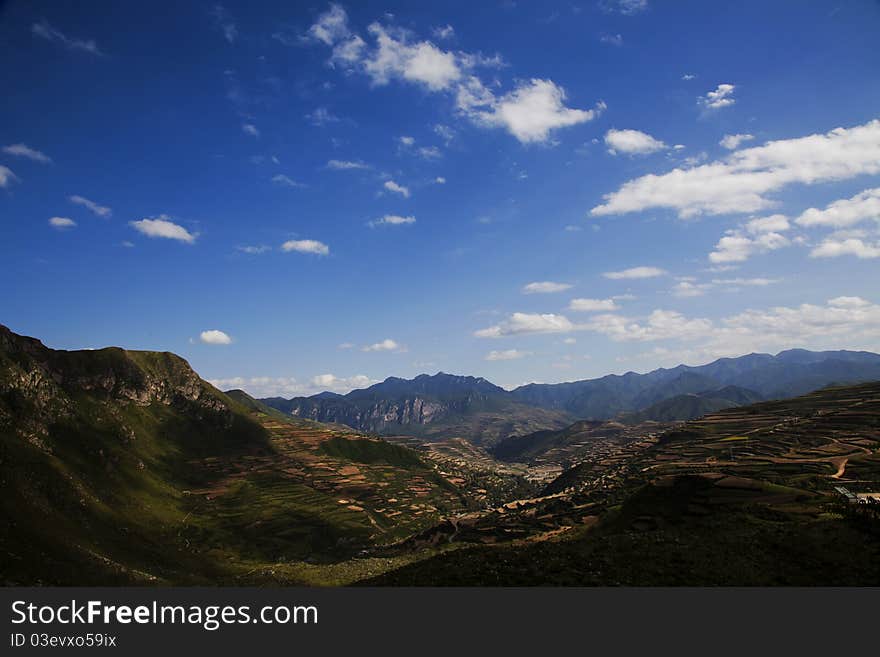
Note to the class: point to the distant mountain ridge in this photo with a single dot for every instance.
(476, 409)
(787, 374)
(442, 404)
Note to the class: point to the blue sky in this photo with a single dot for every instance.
(305, 196)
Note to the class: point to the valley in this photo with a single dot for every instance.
(125, 467)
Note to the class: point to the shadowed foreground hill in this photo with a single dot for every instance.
(123, 467)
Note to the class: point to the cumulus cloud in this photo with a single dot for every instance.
(545, 287)
(61, 223)
(592, 305)
(306, 246)
(635, 273)
(660, 325)
(331, 26)
(392, 220)
(775, 223)
(7, 177)
(831, 248)
(737, 247)
(526, 323)
(268, 386)
(507, 354)
(385, 345)
(45, 31)
(690, 289)
(722, 96)
(214, 336)
(740, 182)
(732, 142)
(845, 212)
(842, 322)
(392, 186)
(530, 112)
(439, 180)
(250, 129)
(23, 150)
(164, 228)
(632, 142)
(99, 210)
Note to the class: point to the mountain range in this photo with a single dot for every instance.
(484, 413)
(125, 467)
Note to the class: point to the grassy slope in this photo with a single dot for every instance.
(124, 467)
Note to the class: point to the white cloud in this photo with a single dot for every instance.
(592, 305)
(344, 165)
(635, 273)
(739, 182)
(286, 181)
(99, 210)
(23, 150)
(660, 325)
(267, 386)
(732, 142)
(439, 180)
(625, 7)
(392, 220)
(722, 96)
(385, 345)
(843, 322)
(776, 223)
(632, 142)
(331, 26)
(531, 112)
(690, 289)
(406, 140)
(688, 76)
(46, 31)
(334, 383)
(214, 336)
(392, 186)
(6, 177)
(845, 212)
(162, 227)
(738, 247)
(525, 323)
(507, 354)
(61, 223)
(306, 246)
(250, 129)
(760, 282)
(345, 345)
(422, 62)
(570, 341)
(831, 248)
(545, 287)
